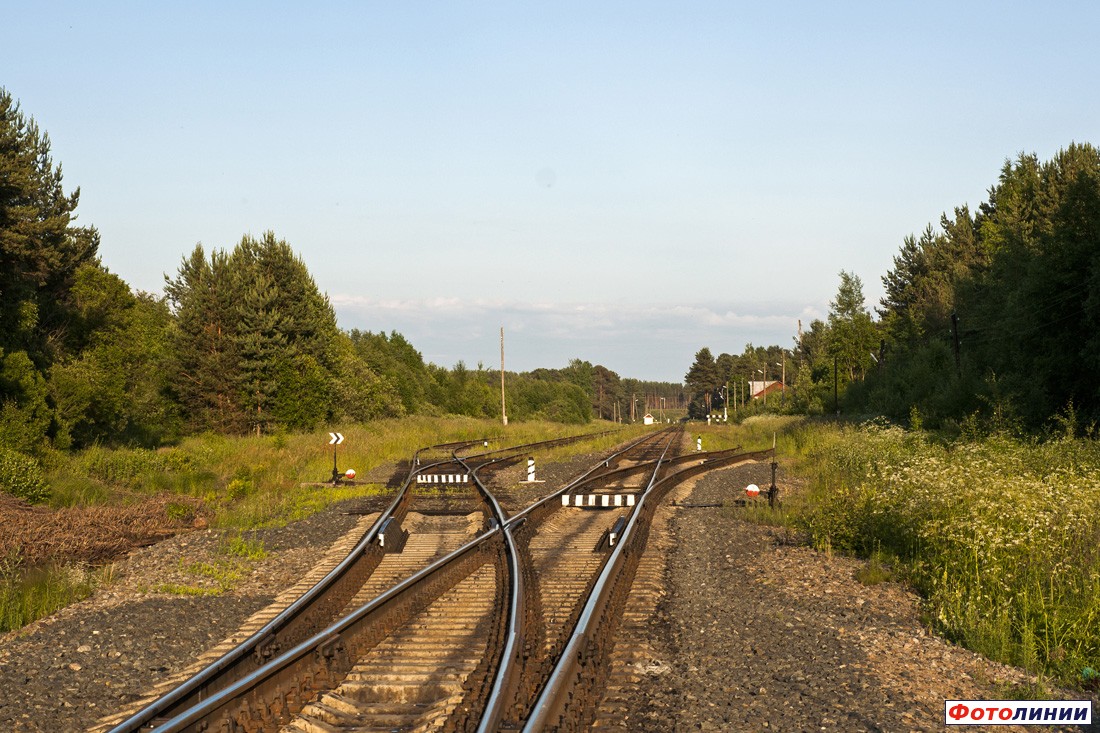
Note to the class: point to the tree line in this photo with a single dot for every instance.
(241, 340)
(994, 314)
(989, 321)
(823, 361)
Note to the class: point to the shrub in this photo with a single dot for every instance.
(21, 476)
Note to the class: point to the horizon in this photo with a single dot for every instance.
(624, 184)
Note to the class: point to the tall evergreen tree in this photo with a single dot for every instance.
(257, 342)
(40, 247)
(700, 381)
(1022, 277)
(40, 252)
(206, 375)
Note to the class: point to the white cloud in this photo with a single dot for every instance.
(638, 339)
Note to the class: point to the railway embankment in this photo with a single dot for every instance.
(756, 631)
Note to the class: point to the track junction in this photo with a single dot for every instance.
(457, 610)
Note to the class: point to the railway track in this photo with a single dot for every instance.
(463, 618)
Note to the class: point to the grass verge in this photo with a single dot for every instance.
(30, 594)
(1000, 536)
(233, 483)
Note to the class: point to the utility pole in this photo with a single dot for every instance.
(800, 349)
(783, 380)
(503, 412)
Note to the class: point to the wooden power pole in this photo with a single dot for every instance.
(503, 412)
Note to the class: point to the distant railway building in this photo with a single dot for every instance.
(759, 389)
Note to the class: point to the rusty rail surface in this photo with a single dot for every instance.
(513, 687)
(271, 693)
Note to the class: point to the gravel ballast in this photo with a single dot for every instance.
(98, 656)
(756, 632)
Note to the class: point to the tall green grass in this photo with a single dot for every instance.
(245, 483)
(1000, 536)
(30, 594)
(249, 482)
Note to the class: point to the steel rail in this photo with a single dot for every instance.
(509, 661)
(279, 681)
(278, 673)
(588, 475)
(538, 445)
(513, 638)
(550, 706)
(221, 674)
(511, 670)
(677, 460)
(509, 674)
(280, 631)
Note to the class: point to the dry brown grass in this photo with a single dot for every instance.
(36, 535)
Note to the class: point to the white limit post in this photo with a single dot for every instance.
(531, 472)
(699, 443)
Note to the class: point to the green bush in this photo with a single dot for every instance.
(177, 460)
(21, 476)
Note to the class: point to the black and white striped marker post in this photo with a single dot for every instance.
(531, 473)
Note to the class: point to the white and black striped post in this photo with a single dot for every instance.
(530, 473)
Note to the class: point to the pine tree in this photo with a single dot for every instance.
(257, 343)
(40, 253)
(206, 373)
(701, 381)
(40, 248)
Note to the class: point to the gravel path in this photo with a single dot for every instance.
(64, 672)
(756, 633)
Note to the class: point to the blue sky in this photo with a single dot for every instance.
(618, 182)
